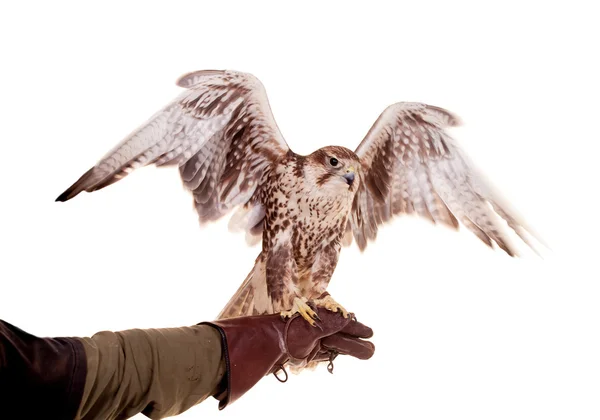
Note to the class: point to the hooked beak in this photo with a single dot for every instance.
(349, 177)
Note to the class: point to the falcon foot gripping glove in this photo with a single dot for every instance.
(256, 346)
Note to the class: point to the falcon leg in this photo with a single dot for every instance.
(282, 281)
(301, 307)
(323, 268)
(327, 302)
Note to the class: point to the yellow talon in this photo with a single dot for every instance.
(300, 306)
(328, 303)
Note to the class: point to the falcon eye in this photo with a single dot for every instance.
(333, 161)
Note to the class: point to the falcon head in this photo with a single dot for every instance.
(334, 168)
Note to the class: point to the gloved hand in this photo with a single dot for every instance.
(347, 341)
(256, 346)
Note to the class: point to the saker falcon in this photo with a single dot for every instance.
(222, 136)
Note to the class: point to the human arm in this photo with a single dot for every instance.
(157, 372)
(160, 372)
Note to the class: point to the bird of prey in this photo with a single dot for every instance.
(221, 135)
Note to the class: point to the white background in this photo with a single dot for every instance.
(461, 331)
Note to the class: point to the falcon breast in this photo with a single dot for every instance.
(221, 135)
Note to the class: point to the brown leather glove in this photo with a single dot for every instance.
(256, 346)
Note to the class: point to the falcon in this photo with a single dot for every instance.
(221, 135)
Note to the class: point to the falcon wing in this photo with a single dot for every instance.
(412, 166)
(221, 134)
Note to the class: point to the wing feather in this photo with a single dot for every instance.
(219, 132)
(411, 165)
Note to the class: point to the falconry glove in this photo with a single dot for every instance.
(256, 346)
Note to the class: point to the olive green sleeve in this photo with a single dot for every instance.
(157, 372)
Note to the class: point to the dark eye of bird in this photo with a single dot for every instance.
(333, 161)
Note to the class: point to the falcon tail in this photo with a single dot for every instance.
(241, 303)
(251, 298)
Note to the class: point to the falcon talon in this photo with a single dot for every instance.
(330, 304)
(302, 308)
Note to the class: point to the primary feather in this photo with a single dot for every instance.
(219, 132)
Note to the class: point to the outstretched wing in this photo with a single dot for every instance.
(412, 166)
(221, 134)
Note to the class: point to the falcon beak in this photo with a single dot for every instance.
(349, 177)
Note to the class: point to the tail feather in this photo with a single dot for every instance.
(251, 298)
(241, 303)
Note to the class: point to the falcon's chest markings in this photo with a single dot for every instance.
(316, 215)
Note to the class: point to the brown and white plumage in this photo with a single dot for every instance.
(413, 166)
(219, 132)
(222, 136)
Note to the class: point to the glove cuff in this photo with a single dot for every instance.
(253, 347)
